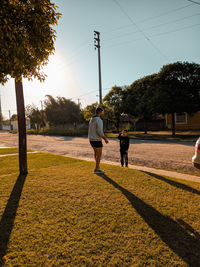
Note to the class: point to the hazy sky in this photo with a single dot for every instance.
(138, 37)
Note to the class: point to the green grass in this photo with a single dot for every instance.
(64, 215)
(5, 151)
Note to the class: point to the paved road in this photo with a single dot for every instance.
(161, 154)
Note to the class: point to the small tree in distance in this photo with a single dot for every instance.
(113, 101)
(178, 89)
(60, 111)
(89, 111)
(139, 99)
(37, 117)
(27, 40)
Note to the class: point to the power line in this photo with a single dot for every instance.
(180, 29)
(88, 93)
(142, 32)
(153, 35)
(166, 13)
(80, 46)
(79, 51)
(152, 27)
(193, 2)
(150, 18)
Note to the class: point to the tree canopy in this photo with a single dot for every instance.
(26, 37)
(37, 117)
(113, 103)
(178, 89)
(26, 41)
(60, 111)
(139, 99)
(89, 111)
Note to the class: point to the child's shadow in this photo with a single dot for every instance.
(178, 236)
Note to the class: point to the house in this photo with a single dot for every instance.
(184, 121)
(13, 125)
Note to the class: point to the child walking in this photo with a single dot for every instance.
(124, 146)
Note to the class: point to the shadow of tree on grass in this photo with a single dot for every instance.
(8, 217)
(174, 183)
(178, 236)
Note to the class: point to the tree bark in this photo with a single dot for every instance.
(117, 125)
(21, 128)
(145, 126)
(173, 124)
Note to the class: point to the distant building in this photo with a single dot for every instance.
(13, 125)
(184, 121)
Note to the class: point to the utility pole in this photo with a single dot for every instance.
(41, 104)
(79, 101)
(10, 121)
(1, 116)
(42, 114)
(97, 45)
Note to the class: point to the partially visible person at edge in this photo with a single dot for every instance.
(124, 146)
(95, 135)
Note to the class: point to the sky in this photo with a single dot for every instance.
(137, 38)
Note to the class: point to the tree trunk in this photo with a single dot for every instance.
(145, 126)
(117, 125)
(21, 128)
(1, 121)
(173, 124)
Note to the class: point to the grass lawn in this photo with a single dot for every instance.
(5, 151)
(62, 214)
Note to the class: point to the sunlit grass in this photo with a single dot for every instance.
(69, 216)
(6, 151)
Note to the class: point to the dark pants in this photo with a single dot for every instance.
(124, 157)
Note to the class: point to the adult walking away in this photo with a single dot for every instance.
(95, 135)
(124, 146)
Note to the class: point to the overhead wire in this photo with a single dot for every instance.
(153, 35)
(104, 89)
(193, 2)
(150, 18)
(152, 27)
(142, 32)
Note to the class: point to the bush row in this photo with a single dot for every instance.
(60, 131)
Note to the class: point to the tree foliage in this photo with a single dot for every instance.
(13, 117)
(37, 117)
(60, 111)
(139, 99)
(178, 89)
(89, 111)
(26, 37)
(26, 41)
(113, 102)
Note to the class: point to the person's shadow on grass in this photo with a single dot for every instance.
(8, 217)
(178, 236)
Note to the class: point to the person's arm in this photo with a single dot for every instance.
(119, 136)
(105, 139)
(127, 144)
(100, 131)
